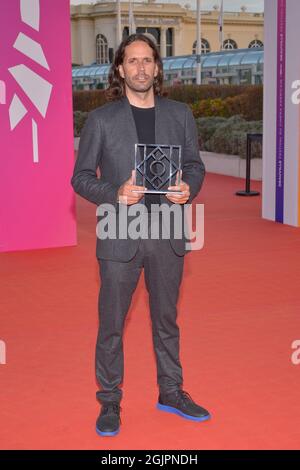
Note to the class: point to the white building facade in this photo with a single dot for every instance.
(173, 27)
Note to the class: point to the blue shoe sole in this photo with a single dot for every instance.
(170, 409)
(108, 434)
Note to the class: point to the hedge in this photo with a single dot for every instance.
(216, 134)
(228, 136)
(204, 100)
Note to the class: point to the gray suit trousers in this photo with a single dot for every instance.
(163, 273)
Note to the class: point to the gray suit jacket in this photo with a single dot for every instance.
(107, 141)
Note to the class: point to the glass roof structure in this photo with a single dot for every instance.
(236, 58)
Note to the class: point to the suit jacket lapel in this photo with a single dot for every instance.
(131, 132)
(163, 129)
(159, 122)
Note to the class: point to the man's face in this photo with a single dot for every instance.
(138, 68)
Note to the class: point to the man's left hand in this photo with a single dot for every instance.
(179, 198)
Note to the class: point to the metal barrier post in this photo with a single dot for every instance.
(250, 138)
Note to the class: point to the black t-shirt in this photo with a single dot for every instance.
(145, 125)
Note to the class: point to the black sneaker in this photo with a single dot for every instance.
(108, 422)
(181, 403)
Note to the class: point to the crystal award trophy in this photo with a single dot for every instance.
(157, 167)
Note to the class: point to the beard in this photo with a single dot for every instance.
(142, 86)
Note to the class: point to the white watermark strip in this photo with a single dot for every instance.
(172, 222)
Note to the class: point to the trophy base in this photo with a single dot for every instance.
(150, 191)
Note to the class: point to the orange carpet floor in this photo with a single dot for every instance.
(239, 313)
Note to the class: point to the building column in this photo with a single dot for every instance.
(178, 42)
(163, 41)
(86, 41)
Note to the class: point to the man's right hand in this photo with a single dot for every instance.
(125, 194)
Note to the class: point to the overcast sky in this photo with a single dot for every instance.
(229, 5)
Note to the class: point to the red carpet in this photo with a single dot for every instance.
(239, 313)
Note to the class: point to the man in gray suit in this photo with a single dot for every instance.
(137, 113)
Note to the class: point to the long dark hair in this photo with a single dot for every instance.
(116, 89)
